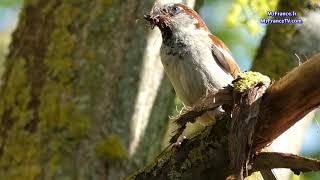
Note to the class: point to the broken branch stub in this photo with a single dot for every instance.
(249, 87)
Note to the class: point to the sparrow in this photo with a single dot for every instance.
(195, 61)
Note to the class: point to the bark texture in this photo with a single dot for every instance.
(71, 88)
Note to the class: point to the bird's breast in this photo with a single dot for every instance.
(192, 72)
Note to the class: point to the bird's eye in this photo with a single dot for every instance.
(176, 10)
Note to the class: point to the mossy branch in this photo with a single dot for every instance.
(206, 155)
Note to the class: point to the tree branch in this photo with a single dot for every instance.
(288, 100)
(270, 160)
(206, 155)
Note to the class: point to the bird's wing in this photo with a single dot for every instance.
(223, 56)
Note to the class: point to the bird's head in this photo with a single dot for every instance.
(173, 17)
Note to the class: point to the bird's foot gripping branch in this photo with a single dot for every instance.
(255, 115)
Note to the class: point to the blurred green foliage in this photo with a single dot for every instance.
(10, 3)
(4, 41)
(249, 12)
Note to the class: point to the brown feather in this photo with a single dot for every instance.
(224, 57)
(193, 13)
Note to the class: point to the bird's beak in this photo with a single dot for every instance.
(153, 21)
(157, 17)
(148, 17)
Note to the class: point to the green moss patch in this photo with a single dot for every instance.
(247, 80)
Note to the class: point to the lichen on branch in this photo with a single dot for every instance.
(247, 80)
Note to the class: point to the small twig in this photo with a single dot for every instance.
(271, 160)
(207, 103)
